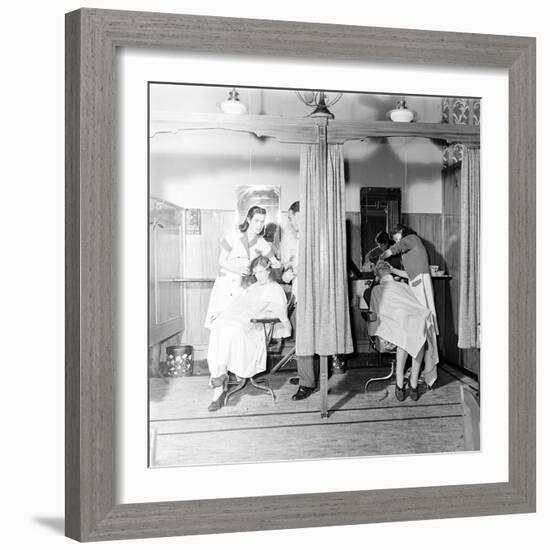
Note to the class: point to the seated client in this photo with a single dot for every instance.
(406, 324)
(236, 344)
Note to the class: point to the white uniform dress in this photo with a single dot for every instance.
(228, 284)
(422, 288)
(238, 345)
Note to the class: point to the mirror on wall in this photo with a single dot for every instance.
(380, 211)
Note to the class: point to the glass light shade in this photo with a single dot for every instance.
(233, 105)
(401, 113)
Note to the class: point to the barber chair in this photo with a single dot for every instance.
(376, 343)
(268, 324)
(291, 305)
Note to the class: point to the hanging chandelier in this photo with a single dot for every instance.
(320, 100)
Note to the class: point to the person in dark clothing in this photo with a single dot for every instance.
(383, 242)
(416, 264)
(308, 366)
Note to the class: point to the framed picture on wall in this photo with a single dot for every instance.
(193, 221)
(291, 167)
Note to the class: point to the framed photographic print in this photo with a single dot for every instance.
(281, 275)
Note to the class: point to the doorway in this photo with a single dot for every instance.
(380, 211)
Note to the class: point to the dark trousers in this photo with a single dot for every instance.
(308, 370)
(308, 365)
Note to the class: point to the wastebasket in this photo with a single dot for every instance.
(179, 360)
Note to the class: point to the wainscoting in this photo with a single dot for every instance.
(430, 229)
(441, 236)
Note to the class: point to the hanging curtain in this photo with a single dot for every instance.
(323, 321)
(468, 310)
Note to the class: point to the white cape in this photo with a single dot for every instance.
(403, 321)
(238, 345)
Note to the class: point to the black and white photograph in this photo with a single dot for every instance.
(314, 285)
(278, 261)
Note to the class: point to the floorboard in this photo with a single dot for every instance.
(254, 428)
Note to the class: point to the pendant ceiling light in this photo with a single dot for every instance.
(401, 113)
(233, 105)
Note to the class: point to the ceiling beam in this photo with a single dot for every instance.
(304, 130)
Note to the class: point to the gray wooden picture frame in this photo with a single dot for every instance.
(92, 39)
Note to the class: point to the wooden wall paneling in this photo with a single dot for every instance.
(353, 237)
(359, 331)
(429, 229)
(196, 296)
(452, 260)
(169, 244)
(200, 260)
(202, 251)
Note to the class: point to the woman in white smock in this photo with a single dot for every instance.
(238, 249)
(237, 344)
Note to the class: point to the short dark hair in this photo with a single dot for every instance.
(403, 229)
(270, 231)
(294, 207)
(382, 238)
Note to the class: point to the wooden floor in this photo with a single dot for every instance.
(254, 428)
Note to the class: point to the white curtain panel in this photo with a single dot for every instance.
(468, 311)
(323, 320)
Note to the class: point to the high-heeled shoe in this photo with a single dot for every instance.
(414, 392)
(400, 393)
(217, 404)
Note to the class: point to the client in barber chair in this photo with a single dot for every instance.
(236, 344)
(401, 321)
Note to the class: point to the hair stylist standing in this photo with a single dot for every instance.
(238, 249)
(307, 367)
(415, 261)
